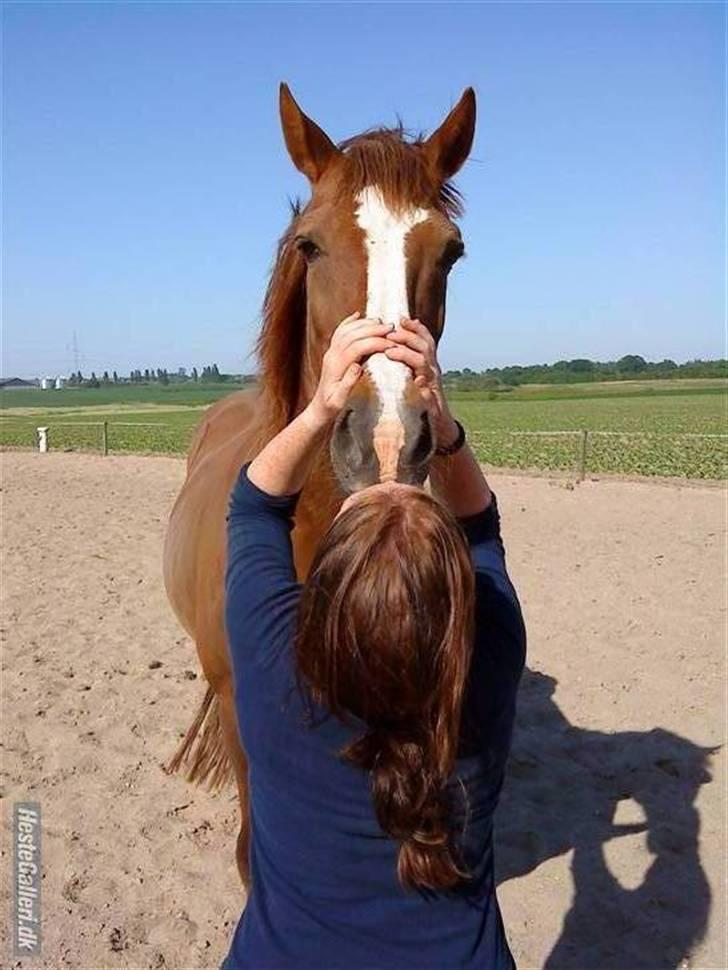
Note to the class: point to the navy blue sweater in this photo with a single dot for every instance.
(325, 892)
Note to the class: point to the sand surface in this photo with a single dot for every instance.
(611, 832)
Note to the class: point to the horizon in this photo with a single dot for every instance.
(173, 371)
(147, 180)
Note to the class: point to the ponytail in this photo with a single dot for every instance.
(410, 802)
(385, 633)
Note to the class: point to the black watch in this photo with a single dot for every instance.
(446, 451)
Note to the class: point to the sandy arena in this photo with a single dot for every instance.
(611, 832)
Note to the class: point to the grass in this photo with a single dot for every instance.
(639, 428)
(189, 394)
(637, 434)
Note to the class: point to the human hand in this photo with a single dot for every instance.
(354, 338)
(415, 346)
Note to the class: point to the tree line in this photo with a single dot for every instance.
(154, 375)
(580, 370)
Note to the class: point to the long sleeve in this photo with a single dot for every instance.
(500, 633)
(261, 589)
(489, 560)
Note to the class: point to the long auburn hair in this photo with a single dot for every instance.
(385, 633)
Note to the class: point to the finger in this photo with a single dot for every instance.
(340, 355)
(363, 328)
(354, 322)
(341, 390)
(414, 326)
(345, 325)
(366, 326)
(412, 358)
(352, 375)
(363, 346)
(422, 384)
(348, 321)
(417, 327)
(410, 339)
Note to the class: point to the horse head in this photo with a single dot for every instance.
(378, 235)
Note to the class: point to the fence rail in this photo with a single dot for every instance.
(580, 451)
(668, 454)
(140, 437)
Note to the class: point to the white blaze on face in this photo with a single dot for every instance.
(385, 234)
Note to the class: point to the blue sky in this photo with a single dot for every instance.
(146, 181)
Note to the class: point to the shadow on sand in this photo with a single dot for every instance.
(561, 793)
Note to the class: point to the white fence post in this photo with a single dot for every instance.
(42, 439)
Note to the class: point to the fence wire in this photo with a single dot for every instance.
(580, 451)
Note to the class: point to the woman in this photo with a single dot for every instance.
(376, 700)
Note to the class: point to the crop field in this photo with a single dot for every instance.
(650, 434)
(665, 428)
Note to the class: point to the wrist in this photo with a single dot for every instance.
(315, 417)
(446, 430)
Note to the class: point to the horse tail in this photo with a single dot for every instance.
(210, 762)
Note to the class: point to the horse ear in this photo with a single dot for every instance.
(450, 145)
(310, 148)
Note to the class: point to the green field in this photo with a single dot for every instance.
(636, 428)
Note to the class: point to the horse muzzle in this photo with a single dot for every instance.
(368, 447)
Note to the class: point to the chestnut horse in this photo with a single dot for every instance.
(377, 236)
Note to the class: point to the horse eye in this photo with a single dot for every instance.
(308, 248)
(453, 251)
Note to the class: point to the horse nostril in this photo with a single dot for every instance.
(343, 423)
(425, 444)
(343, 438)
(352, 456)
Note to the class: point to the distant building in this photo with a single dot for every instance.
(7, 383)
(181, 372)
(52, 383)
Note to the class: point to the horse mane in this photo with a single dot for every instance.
(396, 163)
(279, 347)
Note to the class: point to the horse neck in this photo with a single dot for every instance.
(322, 495)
